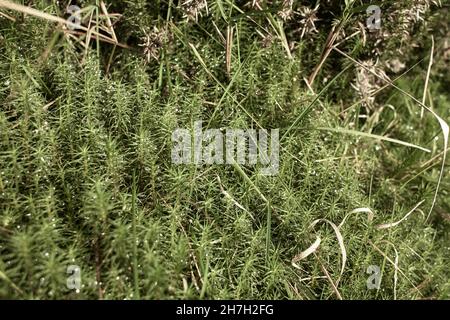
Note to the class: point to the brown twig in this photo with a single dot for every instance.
(324, 270)
(332, 36)
(40, 14)
(228, 51)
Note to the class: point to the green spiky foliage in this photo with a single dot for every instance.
(86, 176)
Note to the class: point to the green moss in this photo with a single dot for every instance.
(73, 130)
